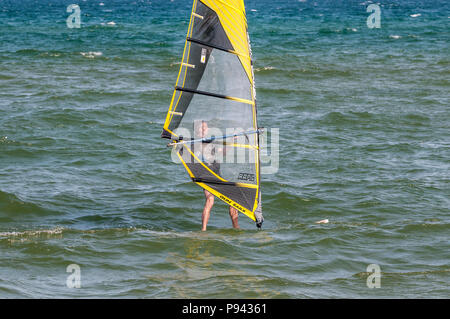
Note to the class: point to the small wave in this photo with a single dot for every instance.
(290, 202)
(34, 52)
(415, 15)
(266, 68)
(329, 31)
(416, 118)
(348, 30)
(5, 140)
(28, 51)
(395, 37)
(334, 31)
(427, 227)
(33, 233)
(335, 117)
(91, 54)
(52, 54)
(11, 204)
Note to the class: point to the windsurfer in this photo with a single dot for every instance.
(207, 151)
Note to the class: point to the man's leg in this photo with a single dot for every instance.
(234, 217)
(207, 209)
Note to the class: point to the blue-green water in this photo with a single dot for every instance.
(364, 128)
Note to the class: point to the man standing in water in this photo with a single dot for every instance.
(206, 153)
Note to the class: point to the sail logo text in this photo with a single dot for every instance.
(246, 177)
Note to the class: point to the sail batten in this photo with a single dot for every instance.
(217, 47)
(214, 95)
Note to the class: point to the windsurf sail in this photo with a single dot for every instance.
(212, 118)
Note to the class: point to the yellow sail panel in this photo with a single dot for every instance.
(231, 14)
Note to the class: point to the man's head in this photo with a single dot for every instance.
(202, 129)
